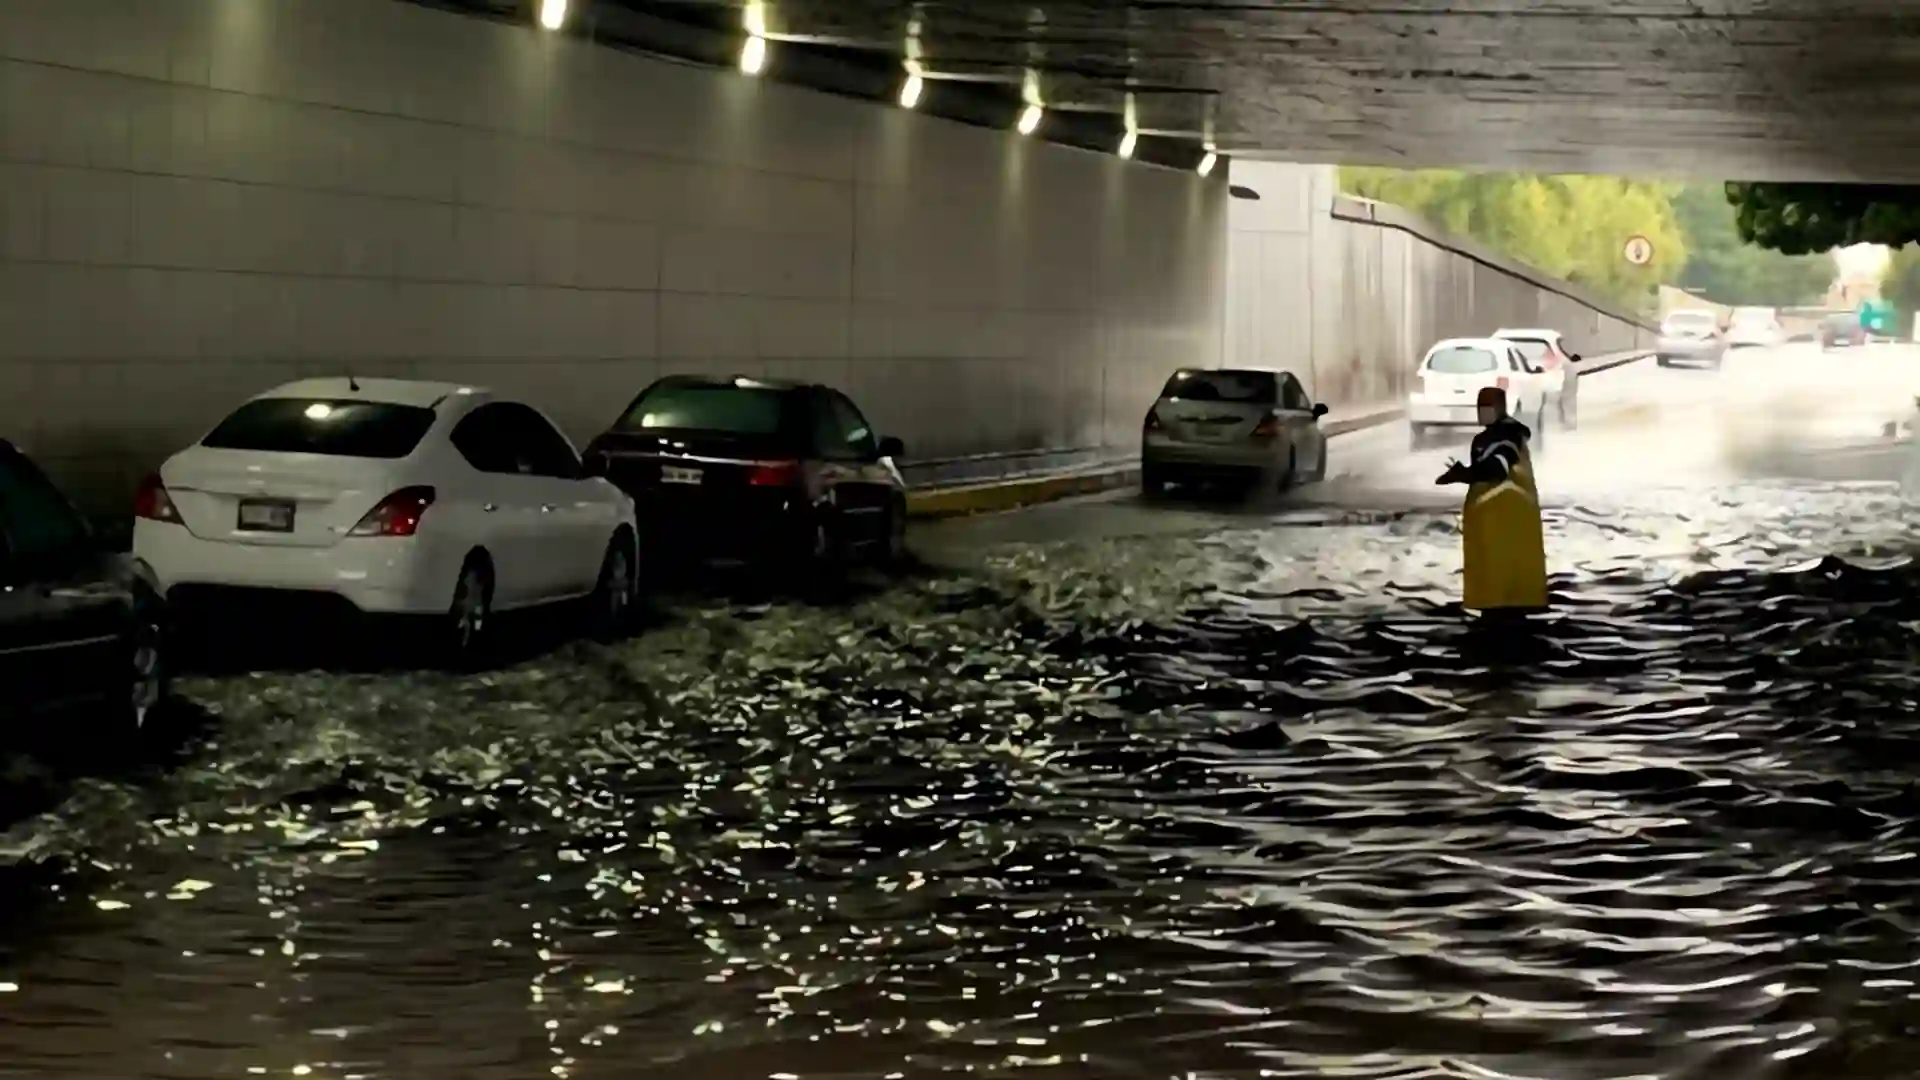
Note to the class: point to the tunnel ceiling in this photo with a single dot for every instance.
(1739, 89)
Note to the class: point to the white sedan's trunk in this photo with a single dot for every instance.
(287, 500)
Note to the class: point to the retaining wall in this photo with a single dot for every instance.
(200, 199)
(1349, 294)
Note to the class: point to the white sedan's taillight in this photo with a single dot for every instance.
(396, 515)
(152, 503)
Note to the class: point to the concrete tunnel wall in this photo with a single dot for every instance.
(200, 199)
(1349, 295)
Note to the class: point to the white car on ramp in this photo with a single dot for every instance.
(1546, 350)
(1448, 383)
(389, 497)
(1755, 328)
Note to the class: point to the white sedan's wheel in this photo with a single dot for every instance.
(471, 613)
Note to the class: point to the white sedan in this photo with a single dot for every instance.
(395, 496)
(1453, 373)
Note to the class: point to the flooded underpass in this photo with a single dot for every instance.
(1247, 799)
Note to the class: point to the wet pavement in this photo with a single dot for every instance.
(1112, 790)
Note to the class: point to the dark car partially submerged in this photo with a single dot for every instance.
(755, 469)
(80, 632)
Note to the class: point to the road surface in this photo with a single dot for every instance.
(1114, 791)
(1646, 434)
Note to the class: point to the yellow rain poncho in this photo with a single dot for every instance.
(1505, 549)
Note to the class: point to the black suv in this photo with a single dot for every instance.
(79, 630)
(755, 469)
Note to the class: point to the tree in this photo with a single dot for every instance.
(1901, 285)
(1800, 219)
(1574, 227)
(1723, 268)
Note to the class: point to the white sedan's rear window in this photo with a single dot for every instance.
(334, 428)
(1462, 360)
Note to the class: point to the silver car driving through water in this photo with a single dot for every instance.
(1691, 336)
(1249, 427)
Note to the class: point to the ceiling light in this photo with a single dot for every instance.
(553, 13)
(1207, 163)
(1030, 119)
(1128, 141)
(910, 93)
(753, 55)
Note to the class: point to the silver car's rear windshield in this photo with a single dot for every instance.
(1691, 320)
(1251, 387)
(1462, 360)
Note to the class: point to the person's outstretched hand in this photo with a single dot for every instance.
(1456, 474)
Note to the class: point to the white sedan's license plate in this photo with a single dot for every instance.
(265, 515)
(675, 474)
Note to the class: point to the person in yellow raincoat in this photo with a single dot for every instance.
(1506, 558)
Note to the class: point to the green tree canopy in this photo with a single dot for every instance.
(1799, 219)
(1573, 227)
(1724, 268)
(1901, 285)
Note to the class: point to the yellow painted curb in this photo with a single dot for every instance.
(1011, 495)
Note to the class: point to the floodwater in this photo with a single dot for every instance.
(1246, 801)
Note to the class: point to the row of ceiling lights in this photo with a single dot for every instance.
(753, 60)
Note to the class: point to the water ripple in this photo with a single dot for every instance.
(1253, 803)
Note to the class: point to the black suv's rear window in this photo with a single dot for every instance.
(1253, 387)
(36, 521)
(363, 429)
(726, 408)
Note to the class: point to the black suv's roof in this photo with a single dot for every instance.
(749, 381)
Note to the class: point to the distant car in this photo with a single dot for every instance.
(1547, 350)
(1248, 427)
(1453, 373)
(774, 473)
(387, 497)
(1755, 327)
(1691, 336)
(1842, 331)
(80, 632)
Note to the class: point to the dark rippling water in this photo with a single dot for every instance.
(1254, 803)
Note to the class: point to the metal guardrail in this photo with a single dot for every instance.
(984, 468)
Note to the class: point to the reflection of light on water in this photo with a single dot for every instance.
(985, 813)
